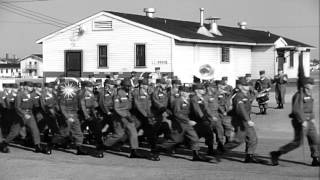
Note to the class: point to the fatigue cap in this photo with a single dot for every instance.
(29, 84)
(37, 84)
(248, 75)
(185, 89)
(196, 79)
(22, 83)
(157, 68)
(197, 86)
(110, 82)
(144, 81)
(242, 81)
(86, 84)
(5, 85)
(262, 72)
(13, 85)
(308, 80)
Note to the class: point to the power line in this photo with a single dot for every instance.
(22, 1)
(34, 15)
(21, 22)
(59, 20)
(30, 17)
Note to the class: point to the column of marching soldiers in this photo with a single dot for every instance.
(161, 112)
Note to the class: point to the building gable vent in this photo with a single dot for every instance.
(102, 25)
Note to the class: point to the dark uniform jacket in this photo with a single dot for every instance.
(142, 102)
(88, 103)
(159, 101)
(262, 84)
(106, 100)
(181, 110)
(23, 103)
(302, 107)
(123, 104)
(241, 107)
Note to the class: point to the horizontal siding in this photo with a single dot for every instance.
(188, 57)
(292, 72)
(121, 48)
(263, 58)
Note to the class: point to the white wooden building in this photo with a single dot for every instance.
(31, 66)
(9, 70)
(118, 42)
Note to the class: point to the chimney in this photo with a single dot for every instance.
(202, 29)
(242, 25)
(214, 26)
(149, 12)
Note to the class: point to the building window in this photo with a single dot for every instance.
(291, 62)
(11, 70)
(103, 56)
(16, 70)
(30, 62)
(35, 63)
(140, 60)
(6, 70)
(225, 54)
(1, 71)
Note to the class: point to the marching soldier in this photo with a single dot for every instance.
(303, 123)
(88, 108)
(125, 125)
(134, 79)
(182, 127)
(23, 106)
(205, 110)
(252, 92)
(243, 125)
(37, 110)
(280, 89)
(263, 85)
(68, 103)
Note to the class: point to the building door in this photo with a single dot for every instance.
(73, 63)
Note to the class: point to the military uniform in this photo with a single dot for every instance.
(280, 89)
(126, 126)
(68, 103)
(244, 132)
(303, 125)
(89, 111)
(23, 105)
(263, 85)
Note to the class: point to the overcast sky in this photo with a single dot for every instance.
(295, 19)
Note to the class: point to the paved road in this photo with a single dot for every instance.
(273, 130)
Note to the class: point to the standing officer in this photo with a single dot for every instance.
(243, 125)
(303, 123)
(23, 106)
(68, 103)
(37, 110)
(182, 126)
(126, 122)
(252, 92)
(263, 85)
(280, 89)
(88, 109)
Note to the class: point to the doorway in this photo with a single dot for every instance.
(73, 63)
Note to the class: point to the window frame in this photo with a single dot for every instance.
(98, 56)
(221, 54)
(135, 55)
(291, 59)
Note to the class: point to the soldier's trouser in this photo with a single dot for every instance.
(280, 92)
(299, 132)
(244, 133)
(30, 123)
(72, 127)
(177, 137)
(227, 126)
(152, 131)
(96, 126)
(122, 129)
(1, 136)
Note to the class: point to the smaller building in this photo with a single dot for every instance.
(10, 70)
(31, 66)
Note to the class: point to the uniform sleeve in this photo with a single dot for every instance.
(241, 110)
(177, 111)
(117, 108)
(196, 108)
(101, 104)
(297, 107)
(155, 100)
(17, 105)
(138, 105)
(42, 101)
(83, 105)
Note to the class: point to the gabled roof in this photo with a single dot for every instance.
(35, 56)
(187, 31)
(10, 65)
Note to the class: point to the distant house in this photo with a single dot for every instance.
(112, 41)
(31, 66)
(10, 70)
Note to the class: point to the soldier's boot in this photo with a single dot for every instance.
(47, 149)
(198, 157)
(211, 151)
(315, 161)
(4, 147)
(275, 158)
(134, 154)
(99, 153)
(220, 148)
(251, 159)
(282, 106)
(80, 151)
